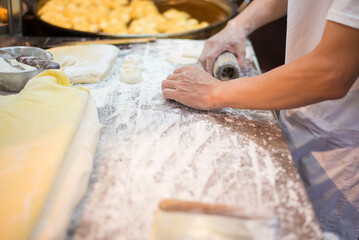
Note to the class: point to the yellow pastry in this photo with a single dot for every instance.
(116, 16)
(49, 132)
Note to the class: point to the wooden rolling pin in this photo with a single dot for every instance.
(178, 220)
(226, 67)
(174, 205)
(113, 41)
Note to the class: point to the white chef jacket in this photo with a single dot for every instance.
(324, 137)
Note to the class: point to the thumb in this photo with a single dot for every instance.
(211, 58)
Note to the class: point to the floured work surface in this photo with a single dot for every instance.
(153, 149)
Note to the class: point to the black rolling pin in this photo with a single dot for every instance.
(37, 62)
(30, 60)
(226, 67)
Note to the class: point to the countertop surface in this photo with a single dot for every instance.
(151, 149)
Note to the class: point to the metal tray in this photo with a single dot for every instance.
(216, 12)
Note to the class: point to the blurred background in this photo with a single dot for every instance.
(21, 18)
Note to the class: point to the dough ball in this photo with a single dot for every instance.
(3, 15)
(133, 57)
(130, 76)
(132, 65)
(193, 53)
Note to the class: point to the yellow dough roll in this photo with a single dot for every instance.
(40, 151)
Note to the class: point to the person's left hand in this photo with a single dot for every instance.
(192, 87)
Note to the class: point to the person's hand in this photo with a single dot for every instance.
(192, 87)
(230, 39)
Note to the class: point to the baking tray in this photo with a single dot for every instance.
(216, 12)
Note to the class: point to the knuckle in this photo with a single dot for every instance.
(164, 94)
(191, 67)
(178, 70)
(164, 84)
(183, 75)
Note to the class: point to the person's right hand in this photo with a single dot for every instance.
(231, 39)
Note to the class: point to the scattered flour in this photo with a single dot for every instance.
(153, 149)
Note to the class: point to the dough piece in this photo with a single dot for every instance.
(133, 58)
(3, 15)
(130, 76)
(116, 16)
(133, 61)
(197, 226)
(68, 61)
(86, 64)
(186, 58)
(131, 69)
(130, 65)
(49, 133)
(179, 59)
(72, 179)
(193, 53)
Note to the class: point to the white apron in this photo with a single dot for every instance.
(324, 137)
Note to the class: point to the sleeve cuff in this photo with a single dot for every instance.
(350, 20)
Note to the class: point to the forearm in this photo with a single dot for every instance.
(326, 73)
(259, 13)
(302, 82)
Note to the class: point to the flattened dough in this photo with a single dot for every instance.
(188, 57)
(130, 76)
(131, 69)
(197, 226)
(49, 133)
(87, 63)
(179, 59)
(193, 53)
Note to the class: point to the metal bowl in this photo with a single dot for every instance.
(216, 12)
(15, 81)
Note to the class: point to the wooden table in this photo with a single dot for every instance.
(153, 149)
